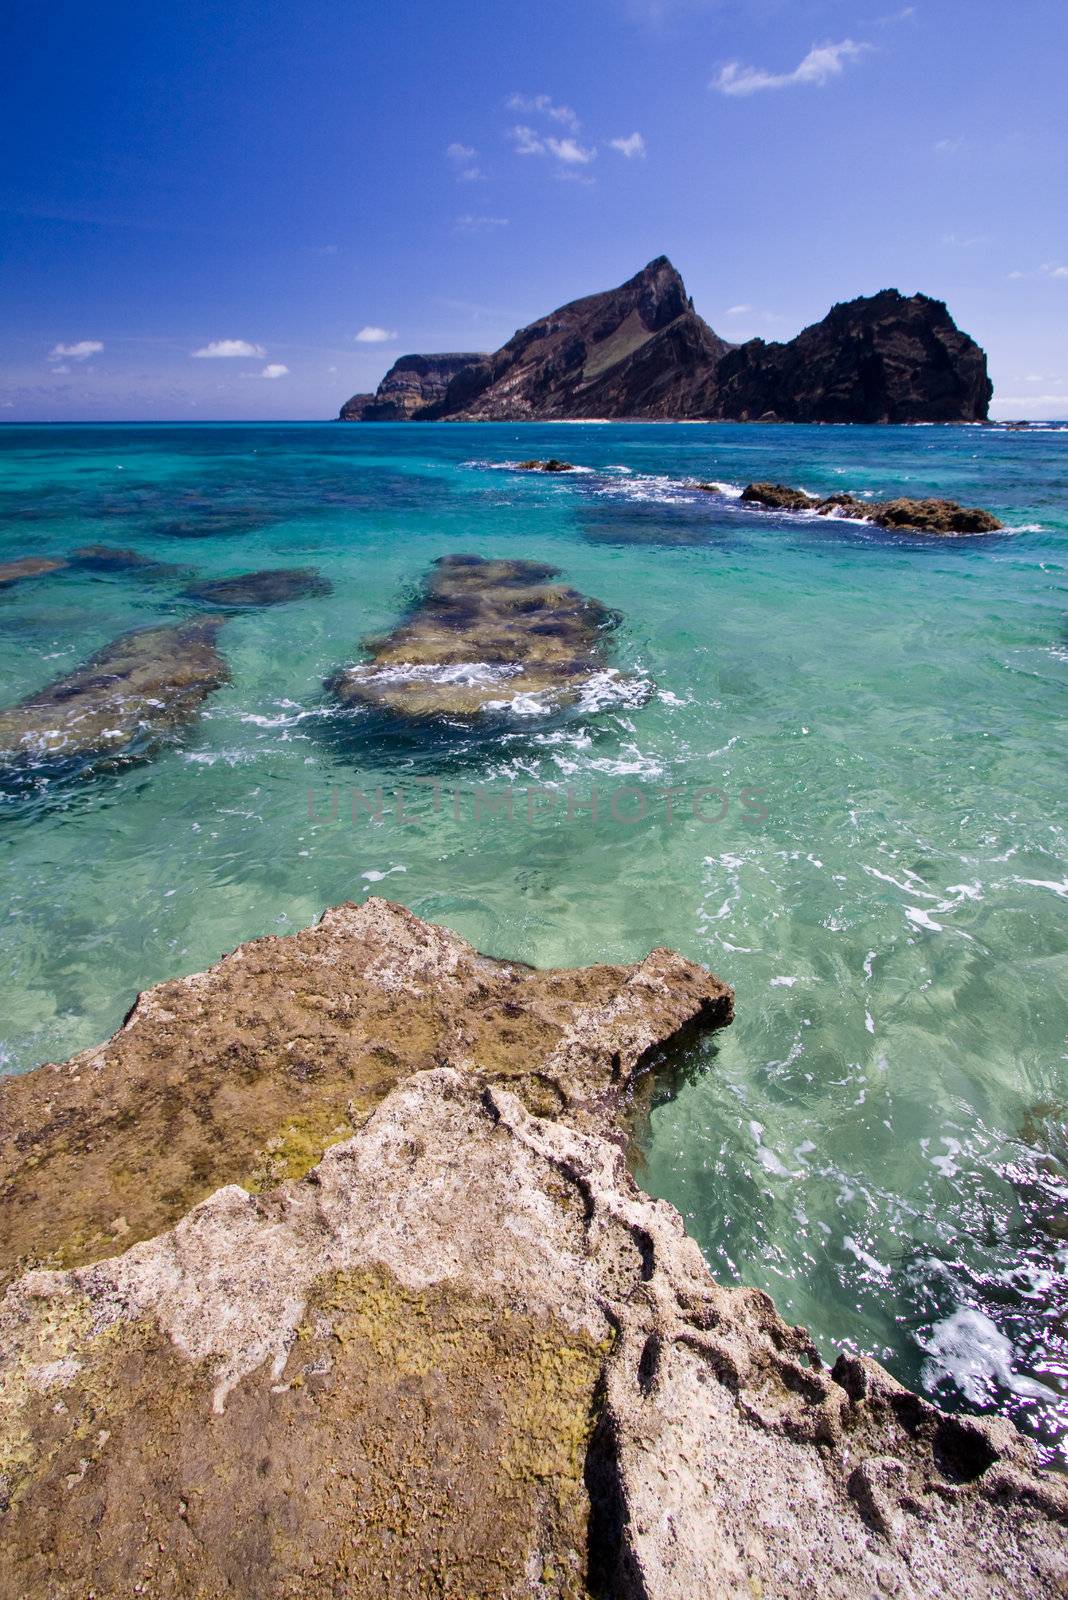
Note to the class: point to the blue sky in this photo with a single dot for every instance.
(204, 206)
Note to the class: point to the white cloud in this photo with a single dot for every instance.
(527, 142)
(76, 352)
(61, 367)
(463, 158)
(949, 147)
(633, 145)
(824, 61)
(473, 224)
(738, 311)
(369, 334)
(221, 348)
(274, 369)
(570, 152)
(543, 105)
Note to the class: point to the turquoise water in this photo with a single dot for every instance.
(882, 875)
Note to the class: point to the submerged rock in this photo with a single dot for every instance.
(463, 1353)
(28, 567)
(122, 702)
(552, 465)
(911, 516)
(106, 558)
(271, 587)
(487, 635)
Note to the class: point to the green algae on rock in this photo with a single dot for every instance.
(247, 1072)
(121, 703)
(486, 636)
(463, 1355)
(908, 515)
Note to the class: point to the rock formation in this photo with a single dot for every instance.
(910, 516)
(458, 1353)
(273, 586)
(881, 358)
(552, 465)
(411, 385)
(641, 351)
(484, 636)
(126, 699)
(106, 558)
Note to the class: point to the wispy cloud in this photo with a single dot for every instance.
(220, 349)
(76, 352)
(530, 143)
(472, 224)
(369, 334)
(823, 62)
(965, 241)
(274, 369)
(950, 147)
(738, 311)
(543, 105)
(463, 158)
(633, 145)
(1048, 269)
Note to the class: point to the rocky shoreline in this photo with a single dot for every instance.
(326, 1275)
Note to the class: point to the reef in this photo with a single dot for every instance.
(123, 702)
(271, 587)
(911, 516)
(327, 1275)
(107, 558)
(28, 567)
(552, 465)
(484, 636)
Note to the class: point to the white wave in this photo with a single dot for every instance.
(971, 1351)
(610, 688)
(462, 672)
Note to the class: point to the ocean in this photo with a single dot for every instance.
(826, 760)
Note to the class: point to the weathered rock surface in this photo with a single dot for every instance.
(552, 465)
(273, 586)
(125, 700)
(485, 635)
(642, 351)
(911, 516)
(880, 358)
(411, 385)
(27, 567)
(462, 1355)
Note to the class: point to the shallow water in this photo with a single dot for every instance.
(878, 862)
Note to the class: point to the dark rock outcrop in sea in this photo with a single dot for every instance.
(123, 702)
(552, 465)
(484, 635)
(910, 516)
(271, 587)
(880, 358)
(411, 385)
(392, 1318)
(642, 351)
(28, 567)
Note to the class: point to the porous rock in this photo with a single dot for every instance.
(464, 1355)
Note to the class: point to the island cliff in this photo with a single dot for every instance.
(642, 351)
(327, 1276)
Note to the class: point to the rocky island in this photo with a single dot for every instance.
(326, 1275)
(642, 352)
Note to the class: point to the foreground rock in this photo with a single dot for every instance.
(27, 567)
(463, 1355)
(123, 702)
(912, 516)
(271, 587)
(486, 636)
(642, 351)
